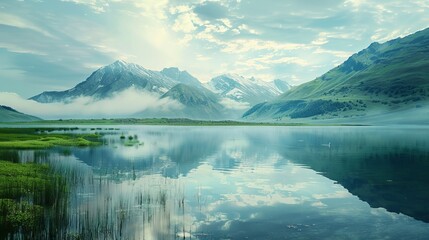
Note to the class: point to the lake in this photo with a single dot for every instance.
(166, 182)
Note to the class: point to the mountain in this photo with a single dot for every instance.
(383, 78)
(246, 90)
(114, 78)
(231, 96)
(8, 114)
(181, 76)
(199, 103)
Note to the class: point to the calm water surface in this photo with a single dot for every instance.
(246, 183)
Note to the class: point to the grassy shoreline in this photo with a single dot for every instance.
(30, 193)
(166, 122)
(26, 191)
(37, 138)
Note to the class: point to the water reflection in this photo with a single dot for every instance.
(255, 183)
(385, 167)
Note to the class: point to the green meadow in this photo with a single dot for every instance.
(32, 138)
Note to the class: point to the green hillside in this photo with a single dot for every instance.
(8, 114)
(382, 78)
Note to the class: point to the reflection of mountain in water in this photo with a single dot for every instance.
(171, 153)
(386, 168)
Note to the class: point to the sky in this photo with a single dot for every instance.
(54, 45)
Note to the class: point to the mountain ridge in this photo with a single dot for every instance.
(381, 78)
(199, 103)
(106, 82)
(9, 114)
(245, 90)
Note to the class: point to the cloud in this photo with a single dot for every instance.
(247, 45)
(234, 105)
(124, 104)
(383, 35)
(98, 6)
(338, 54)
(185, 23)
(58, 43)
(355, 4)
(246, 28)
(18, 22)
(153, 8)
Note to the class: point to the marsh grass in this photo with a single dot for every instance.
(27, 194)
(30, 138)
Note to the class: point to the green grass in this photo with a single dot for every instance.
(158, 121)
(16, 215)
(10, 115)
(31, 138)
(19, 179)
(25, 189)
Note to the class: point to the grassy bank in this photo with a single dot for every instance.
(25, 191)
(33, 198)
(32, 138)
(165, 121)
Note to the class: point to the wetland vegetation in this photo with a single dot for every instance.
(30, 138)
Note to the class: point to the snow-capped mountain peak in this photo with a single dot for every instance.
(242, 89)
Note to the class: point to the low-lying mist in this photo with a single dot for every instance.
(128, 103)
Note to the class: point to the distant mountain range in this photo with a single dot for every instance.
(387, 78)
(248, 90)
(215, 100)
(8, 114)
(111, 79)
(385, 83)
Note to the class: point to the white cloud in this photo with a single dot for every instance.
(15, 21)
(268, 60)
(98, 6)
(201, 57)
(125, 103)
(179, 9)
(231, 104)
(186, 39)
(215, 28)
(247, 45)
(320, 41)
(186, 22)
(244, 27)
(383, 35)
(339, 54)
(356, 4)
(156, 9)
(160, 33)
(16, 48)
(226, 22)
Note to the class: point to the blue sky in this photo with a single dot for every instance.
(53, 45)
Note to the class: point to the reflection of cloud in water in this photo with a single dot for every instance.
(240, 185)
(338, 194)
(252, 200)
(153, 145)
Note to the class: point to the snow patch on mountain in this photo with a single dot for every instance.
(248, 90)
